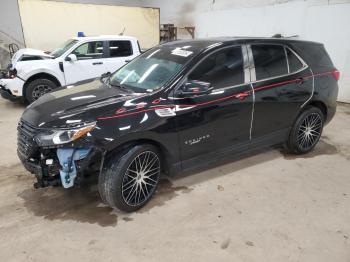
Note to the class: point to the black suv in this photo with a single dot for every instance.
(179, 105)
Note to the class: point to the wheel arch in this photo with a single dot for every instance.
(166, 155)
(39, 76)
(320, 105)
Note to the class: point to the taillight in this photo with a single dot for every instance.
(336, 74)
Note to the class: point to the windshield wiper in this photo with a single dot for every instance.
(120, 86)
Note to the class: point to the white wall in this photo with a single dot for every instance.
(326, 21)
(63, 20)
(11, 26)
(10, 22)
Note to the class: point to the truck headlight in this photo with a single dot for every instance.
(12, 73)
(63, 136)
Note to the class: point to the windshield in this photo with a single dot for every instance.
(63, 48)
(152, 69)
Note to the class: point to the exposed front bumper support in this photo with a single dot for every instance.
(63, 166)
(67, 158)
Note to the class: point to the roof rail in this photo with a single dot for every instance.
(281, 36)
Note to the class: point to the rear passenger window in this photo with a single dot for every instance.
(221, 69)
(120, 48)
(269, 60)
(293, 60)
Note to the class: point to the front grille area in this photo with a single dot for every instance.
(25, 140)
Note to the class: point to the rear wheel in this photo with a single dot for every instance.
(306, 131)
(130, 179)
(39, 87)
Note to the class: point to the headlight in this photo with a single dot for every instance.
(12, 73)
(63, 136)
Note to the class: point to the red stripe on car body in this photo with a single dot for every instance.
(240, 95)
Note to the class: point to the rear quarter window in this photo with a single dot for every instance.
(294, 63)
(315, 56)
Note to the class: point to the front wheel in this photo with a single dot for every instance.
(306, 131)
(129, 180)
(38, 88)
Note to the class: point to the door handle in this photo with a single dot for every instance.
(127, 61)
(97, 63)
(242, 96)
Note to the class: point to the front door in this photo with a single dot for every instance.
(89, 63)
(216, 121)
(283, 85)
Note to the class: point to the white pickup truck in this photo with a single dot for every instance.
(32, 73)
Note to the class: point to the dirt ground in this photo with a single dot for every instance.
(268, 206)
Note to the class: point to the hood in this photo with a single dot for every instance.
(29, 53)
(75, 104)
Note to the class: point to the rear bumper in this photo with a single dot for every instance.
(330, 114)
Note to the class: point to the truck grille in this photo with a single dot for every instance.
(25, 140)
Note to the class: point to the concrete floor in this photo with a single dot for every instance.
(264, 207)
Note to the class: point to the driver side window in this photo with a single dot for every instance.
(90, 50)
(222, 69)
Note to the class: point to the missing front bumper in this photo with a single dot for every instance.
(63, 166)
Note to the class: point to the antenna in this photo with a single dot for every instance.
(122, 33)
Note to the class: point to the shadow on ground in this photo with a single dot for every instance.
(322, 148)
(84, 204)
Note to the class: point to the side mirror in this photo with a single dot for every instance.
(104, 76)
(71, 58)
(194, 88)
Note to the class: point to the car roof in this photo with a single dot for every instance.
(208, 43)
(105, 37)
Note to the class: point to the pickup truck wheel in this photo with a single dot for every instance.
(129, 180)
(306, 131)
(39, 87)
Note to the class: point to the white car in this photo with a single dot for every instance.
(32, 73)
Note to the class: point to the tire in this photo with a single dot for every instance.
(123, 182)
(37, 88)
(306, 131)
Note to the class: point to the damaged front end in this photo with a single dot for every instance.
(56, 157)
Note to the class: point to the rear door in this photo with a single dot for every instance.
(89, 64)
(119, 52)
(282, 83)
(214, 122)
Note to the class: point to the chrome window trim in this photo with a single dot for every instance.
(246, 48)
(298, 56)
(313, 89)
(253, 73)
(251, 64)
(253, 111)
(213, 92)
(246, 65)
(287, 60)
